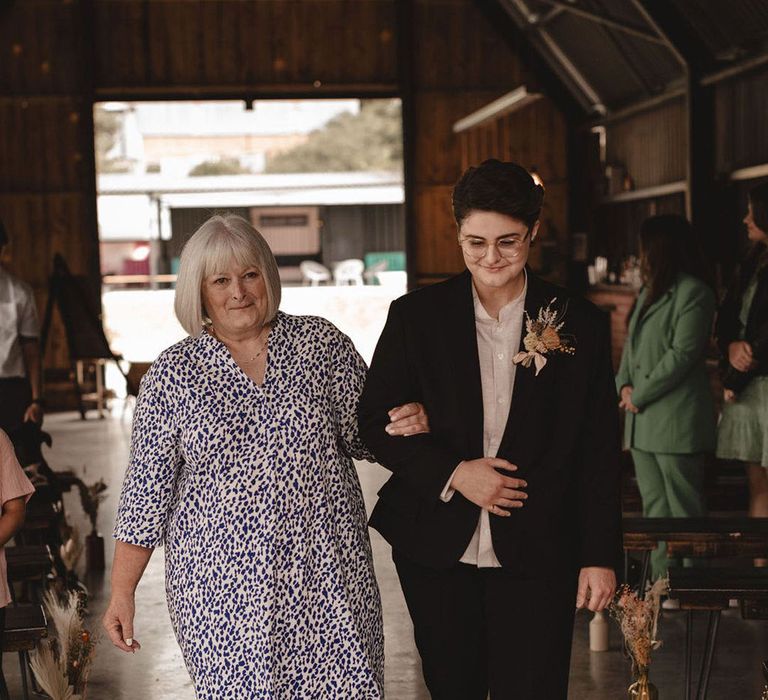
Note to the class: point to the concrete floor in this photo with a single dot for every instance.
(97, 448)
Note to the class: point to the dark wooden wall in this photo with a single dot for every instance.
(443, 57)
(459, 62)
(47, 195)
(235, 46)
(651, 145)
(59, 56)
(741, 122)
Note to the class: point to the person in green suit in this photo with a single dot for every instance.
(662, 379)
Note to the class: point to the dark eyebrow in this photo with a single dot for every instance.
(513, 234)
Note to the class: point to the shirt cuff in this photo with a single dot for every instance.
(447, 493)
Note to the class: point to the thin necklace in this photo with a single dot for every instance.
(254, 357)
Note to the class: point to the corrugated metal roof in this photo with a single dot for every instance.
(619, 54)
(731, 29)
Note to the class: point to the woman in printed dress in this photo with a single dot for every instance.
(241, 464)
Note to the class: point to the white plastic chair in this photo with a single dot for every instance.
(349, 271)
(313, 273)
(372, 273)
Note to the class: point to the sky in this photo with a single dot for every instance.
(268, 117)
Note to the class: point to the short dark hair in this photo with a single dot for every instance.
(3, 235)
(758, 197)
(504, 188)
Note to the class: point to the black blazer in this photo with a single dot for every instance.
(728, 325)
(562, 432)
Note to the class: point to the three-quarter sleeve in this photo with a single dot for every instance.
(149, 489)
(13, 481)
(347, 381)
(28, 327)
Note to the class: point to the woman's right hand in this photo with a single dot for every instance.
(626, 399)
(479, 481)
(408, 419)
(740, 356)
(118, 622)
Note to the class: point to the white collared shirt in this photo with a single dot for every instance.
(18, 318)
(498, 341)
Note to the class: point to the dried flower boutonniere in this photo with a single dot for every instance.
(543, 336)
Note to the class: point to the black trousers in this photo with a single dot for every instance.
(15, 397)
(481, 630)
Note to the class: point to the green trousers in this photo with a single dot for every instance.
(670, 487)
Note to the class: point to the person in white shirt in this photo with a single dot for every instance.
(505, 518)
(20, 365)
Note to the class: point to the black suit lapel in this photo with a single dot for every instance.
(461, 348)
(530, 392)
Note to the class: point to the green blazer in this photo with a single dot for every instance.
(663, 360)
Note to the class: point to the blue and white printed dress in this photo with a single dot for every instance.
(269, 571)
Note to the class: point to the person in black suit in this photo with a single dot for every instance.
(508, 511)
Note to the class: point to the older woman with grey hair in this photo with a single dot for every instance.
(241, 464)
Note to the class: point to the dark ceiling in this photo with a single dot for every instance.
(612, 54)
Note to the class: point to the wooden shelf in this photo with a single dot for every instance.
(646, 193)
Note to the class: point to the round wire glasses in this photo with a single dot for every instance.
(509, 247)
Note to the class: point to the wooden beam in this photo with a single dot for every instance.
(751, 173)
(511, 102)
(250, 92)
(638, 107)
(405, 62)
(563, 82)
(554, 13)
(735, 70)
(632, 30)
(687, 46)
(652, 21)
(88, 148)
(647, 193)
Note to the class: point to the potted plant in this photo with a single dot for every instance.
(91, 496)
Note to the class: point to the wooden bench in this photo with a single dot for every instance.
(25, 626)
(694, 537)
(40, 517)
(31, 561)
(66, 479)
(31, 564)
(711, 590)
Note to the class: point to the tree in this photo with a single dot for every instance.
(107, 126)
(222, 166)
(372, 139)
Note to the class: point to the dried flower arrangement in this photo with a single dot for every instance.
(543, 336)
(764, 696)
(638, 620)
(91, 498)
(62, 664)
(71, 549)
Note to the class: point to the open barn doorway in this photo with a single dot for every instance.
(322, 180)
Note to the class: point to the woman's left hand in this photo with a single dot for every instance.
(409, 419)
